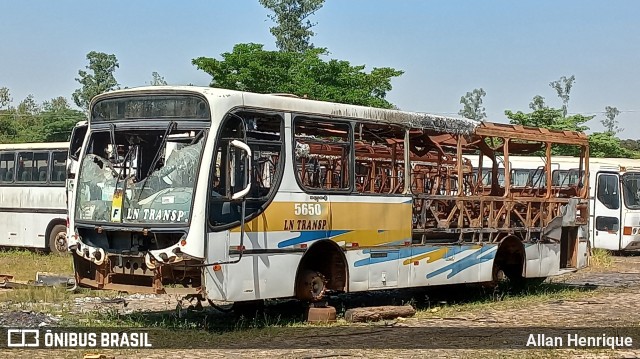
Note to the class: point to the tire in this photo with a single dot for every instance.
(58, 239)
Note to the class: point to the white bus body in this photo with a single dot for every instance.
(33, 207)
(270, 196)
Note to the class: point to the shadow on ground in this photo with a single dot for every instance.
(284, 313)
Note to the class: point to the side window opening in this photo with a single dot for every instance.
(263, 133)
(608, 191)
(58, 160)
(33, 167)
(379, 166)
(7, 167)
(322, 154)
(76, 139)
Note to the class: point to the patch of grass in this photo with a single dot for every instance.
(532, 295)
(50, 295)
(24, 264)
(601, 258)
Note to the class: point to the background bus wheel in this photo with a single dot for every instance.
(310, 286)
(58, 239)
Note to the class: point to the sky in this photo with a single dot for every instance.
(511, 49)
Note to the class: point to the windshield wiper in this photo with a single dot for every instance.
(152, 167)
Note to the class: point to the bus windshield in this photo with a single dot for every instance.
(631, 184)
(139, 177)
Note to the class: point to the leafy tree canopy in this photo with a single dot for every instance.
(157, 80)
(550, 118)
(98, 79)
(472, 105)
(606, 144)
(293, 30)
(251, 68)
(601, 144)
(51, 121)
(609, 122)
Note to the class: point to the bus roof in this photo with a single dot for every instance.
(34, 146)
(417, 120)
(332, 109)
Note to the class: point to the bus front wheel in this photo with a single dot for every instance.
(58, 239)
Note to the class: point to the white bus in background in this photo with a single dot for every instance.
(615, 204)
(614, 194)
(33, 210)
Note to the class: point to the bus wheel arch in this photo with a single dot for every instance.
(322, 267)
(510, 260)
(56, 236)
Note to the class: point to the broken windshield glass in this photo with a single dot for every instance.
(113, 191)
(165, 195)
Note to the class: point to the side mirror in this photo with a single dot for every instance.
(244, 147)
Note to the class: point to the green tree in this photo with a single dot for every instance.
(57, 124)
(537, 103)
(98, 79)
(472, 105)
(250, 68)
(631, 145)
(51, 121)
(563, 89)
(28, 106)
(5, 98)
(552, 119)
(606, 144)
(293, 30)
(157, 80)
(59, 103)
(609, 122)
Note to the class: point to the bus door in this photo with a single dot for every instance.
(606, 212)
(75, 145)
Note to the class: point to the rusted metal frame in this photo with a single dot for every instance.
(523, 219)
(507, 167)
(494, 198)
(584, 177)
(547, 169)
(102, 273)
(407, 163)
(529, 214)
(393, 165)
(490, 129)
(460, 194)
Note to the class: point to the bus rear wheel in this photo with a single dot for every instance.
(58, 239)
(310, 286)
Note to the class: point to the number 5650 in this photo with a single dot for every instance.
(307, 209)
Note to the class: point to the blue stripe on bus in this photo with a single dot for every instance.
(394, 255)
(308, 236)
(485, 253)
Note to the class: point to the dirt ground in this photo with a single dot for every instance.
(615, 303)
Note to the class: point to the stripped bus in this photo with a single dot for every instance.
(33, 208)
(614, 205)
(266, 196)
